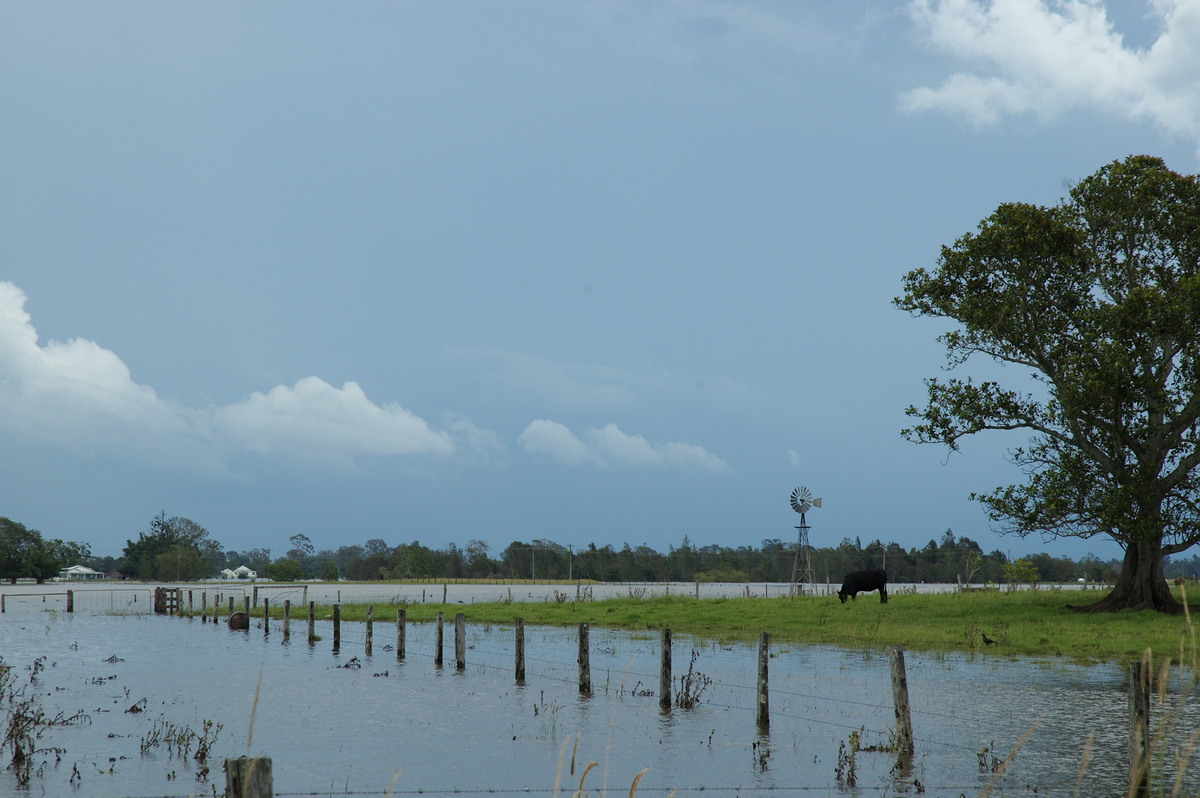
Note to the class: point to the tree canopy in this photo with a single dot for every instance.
(25, 554)
(172, 549)
(1097, 299)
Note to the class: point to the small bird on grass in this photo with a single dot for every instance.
(987, 641)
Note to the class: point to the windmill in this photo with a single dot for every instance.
(802, 502)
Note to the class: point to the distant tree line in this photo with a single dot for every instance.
(175, 549)
(25, 554)
(179, 549)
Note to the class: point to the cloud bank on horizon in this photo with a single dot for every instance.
(78, 394)
(1047, 58)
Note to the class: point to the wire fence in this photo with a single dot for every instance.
(354, 636)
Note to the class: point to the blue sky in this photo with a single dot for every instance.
(612, 272)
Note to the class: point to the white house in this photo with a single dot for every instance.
(241, 572)
(79, 573)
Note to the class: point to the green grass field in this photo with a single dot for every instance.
(1026, 623)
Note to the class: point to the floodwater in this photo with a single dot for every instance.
(347, 723)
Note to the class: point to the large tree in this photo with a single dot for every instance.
(187, 545)
(1097, 299)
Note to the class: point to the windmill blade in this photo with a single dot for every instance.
(802, 499)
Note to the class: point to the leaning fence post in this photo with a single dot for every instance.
(400, 619)
(664, 672)
(440, 635)
(370, 630)
(520, 653)
(763, 715)
(585, 666)
(460, 642)
(249, 777)
(1139, 728)
(904, 735)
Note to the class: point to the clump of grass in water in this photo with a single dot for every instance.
(692, 685)
(180, 741)
(27, 722)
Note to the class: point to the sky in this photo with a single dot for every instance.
(606, 272)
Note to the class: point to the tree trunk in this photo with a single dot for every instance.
(1141, 585)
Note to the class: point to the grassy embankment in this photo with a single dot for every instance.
(1025, 623)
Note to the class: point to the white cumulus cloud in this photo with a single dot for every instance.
(74, 392)
(314, 418)
(1042, 57)
(555, 440)
(78, 395)
(608, 445)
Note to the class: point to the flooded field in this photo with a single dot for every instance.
(348, 723)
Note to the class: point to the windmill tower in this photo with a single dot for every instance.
(802, 570)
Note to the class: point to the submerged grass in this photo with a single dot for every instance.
(1026, 623)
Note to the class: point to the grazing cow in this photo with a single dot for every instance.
(864, 582)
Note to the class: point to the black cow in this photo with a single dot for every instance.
(864, 582)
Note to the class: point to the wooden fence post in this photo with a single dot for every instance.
(439, 634)
(368, 648)
(191, 608)
(231, 605)
(400, 621)
(337, 627)
(266, 616)
(203, 606)
(246, 605)
(585, 665)
(520, 651)
(763, 714)
(460, 642)
(904, 734)
(70, 601)
(664, 671)
(255, 605)
(249, 777)
(312, 626)
(287, 619)
(1139, 728)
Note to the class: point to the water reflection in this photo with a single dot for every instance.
(336, 729)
